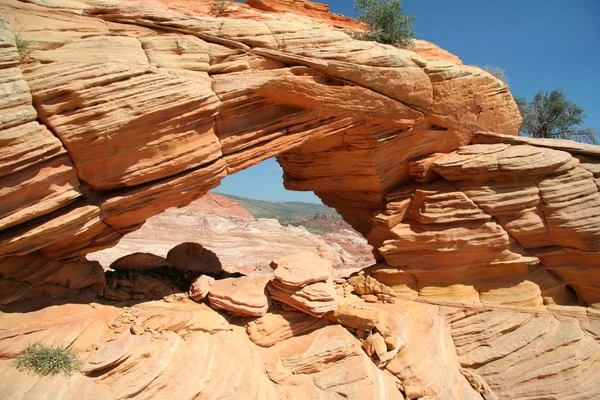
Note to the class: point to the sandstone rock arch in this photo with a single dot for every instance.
(118, 112)
(115, 112)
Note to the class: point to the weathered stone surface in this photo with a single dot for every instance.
(421, 169)
(402, 283)
(305, 83)
(522, 354)
(182, 137)
(200, 287)
(301, 269)
(431, 51)
(246, 296)
(33, 276)
(428, 349)
(81, 326)
(554, 209)
(154, 106)
(324, 363)
(365, 285)
(155, 370)
(194, 257)
(442, 232)
(127, 210)
(358, 318)
(481, 163)
(276, 326)
(60, 387)
(139, 261)
(304, 281)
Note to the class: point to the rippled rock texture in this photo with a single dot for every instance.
(112, 112)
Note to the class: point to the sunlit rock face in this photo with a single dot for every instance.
(120, 111)
(112, 112)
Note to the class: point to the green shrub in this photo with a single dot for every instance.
(48, 360)
(387, 22)
(553, 116)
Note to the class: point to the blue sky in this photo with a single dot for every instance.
(549, 44)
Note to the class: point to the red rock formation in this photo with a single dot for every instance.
(116, 112)
(298, 98)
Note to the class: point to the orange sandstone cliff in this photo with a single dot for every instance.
(488, 245)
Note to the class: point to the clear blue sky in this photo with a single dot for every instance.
(541, 44)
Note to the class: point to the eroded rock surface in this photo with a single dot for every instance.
(304, 282)
(245, 296)
(117, 111)
(302, 96)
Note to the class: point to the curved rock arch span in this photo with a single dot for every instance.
(120, 112)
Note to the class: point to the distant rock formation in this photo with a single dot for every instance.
(241, 243)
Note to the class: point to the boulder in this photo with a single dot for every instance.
(245, 296)
(140, 262)
(194, 257)
(304, 281)
(367, 285)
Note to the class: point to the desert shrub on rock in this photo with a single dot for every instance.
(553, 116)
(46, 360)
(386, 20)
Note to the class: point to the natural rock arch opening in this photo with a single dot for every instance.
(353, 121)
(247, 233)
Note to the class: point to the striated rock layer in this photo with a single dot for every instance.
(344, 116)
(112, 112)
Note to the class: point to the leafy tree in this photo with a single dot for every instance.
(387, 22)
(552, 115)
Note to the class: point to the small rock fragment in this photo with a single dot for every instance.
(200, 287)
(136, 330)
(369, 298)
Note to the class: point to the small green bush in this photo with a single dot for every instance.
(387, 23)
(48, 360)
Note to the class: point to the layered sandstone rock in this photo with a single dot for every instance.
(298, 98)
(304, 281)
(507, 349)
(200, 287)
(33, 276)
(279, 325)
(302, 368)
(246, 296)
(118, 111)
(448, 352)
